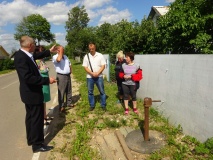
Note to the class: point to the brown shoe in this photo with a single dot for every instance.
(62, 109)
(71, 105)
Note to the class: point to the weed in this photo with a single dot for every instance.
(201, 149)
(112, 123)
(101, 126)
(209, 144)
(190, 140)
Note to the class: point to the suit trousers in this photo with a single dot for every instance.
(34, 122)
(64, 90)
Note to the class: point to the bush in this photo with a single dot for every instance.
(6, 64)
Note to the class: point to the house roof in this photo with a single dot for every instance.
(159, 10)
(3, 53)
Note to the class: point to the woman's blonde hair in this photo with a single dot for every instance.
(120, 54)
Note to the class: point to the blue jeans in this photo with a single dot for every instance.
(100, 85)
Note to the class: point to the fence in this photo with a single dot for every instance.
(184, 84)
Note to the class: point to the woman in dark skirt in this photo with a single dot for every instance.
(118, 68)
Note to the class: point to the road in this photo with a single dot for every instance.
(13, 145)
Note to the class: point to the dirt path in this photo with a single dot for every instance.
(55, 133)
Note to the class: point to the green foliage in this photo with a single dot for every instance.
(5, 71)
(186, 28)
(190, 140)
(104, 35)
(6, 64)
(201, 149)
(177, 155)
(112, 123)
(112, 73)
(209, 144)
(77, 32)
(36, 27)
(82, 138)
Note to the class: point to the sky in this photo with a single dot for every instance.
(56, 13)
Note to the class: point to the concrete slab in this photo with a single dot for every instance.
(135, 141)
(104, 149)
(125, 130)
(115, 147)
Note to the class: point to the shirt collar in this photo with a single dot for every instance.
(92, 55)
(27, 53)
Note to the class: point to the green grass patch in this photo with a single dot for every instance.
(6, 71)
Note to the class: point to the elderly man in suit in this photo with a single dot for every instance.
(31, 91)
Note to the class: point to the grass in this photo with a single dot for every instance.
(6, 71)
(81, 126)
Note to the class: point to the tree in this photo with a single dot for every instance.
(187, 27)
(36, 27)
(77, 21)
(104, 38)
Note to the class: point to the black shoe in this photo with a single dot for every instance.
(48, 118)
(104, 109)
(41, 148)
(91, 108)
(46, 123)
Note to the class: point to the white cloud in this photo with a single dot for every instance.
(11, 13)
(95, 3)
(112, 15)
(8, 42)
(170, 1)
(55, 13)
(60, 38)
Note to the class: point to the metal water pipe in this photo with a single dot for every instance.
(147, 103)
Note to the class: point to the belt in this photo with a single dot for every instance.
(64, 74)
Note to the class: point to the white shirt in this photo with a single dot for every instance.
(97, 61)
(31, 57)
(62, 67)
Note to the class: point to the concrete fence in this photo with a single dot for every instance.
(184, 84)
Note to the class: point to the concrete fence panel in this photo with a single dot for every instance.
(184, 84)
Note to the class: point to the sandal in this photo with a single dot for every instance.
(126, 111)
(135, 110)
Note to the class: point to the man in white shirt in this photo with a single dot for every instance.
(63, 69)
(94, 64)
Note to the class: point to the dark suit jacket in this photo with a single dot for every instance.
(29, 77)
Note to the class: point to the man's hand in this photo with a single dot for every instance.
(60, 49)
(52, 80)
(53, 49)
(95, 74)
